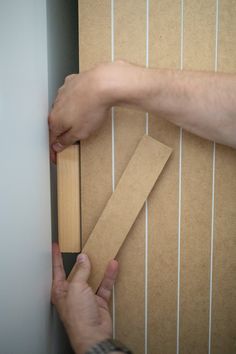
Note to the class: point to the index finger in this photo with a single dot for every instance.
(57, 264)
(53, 134)
(108, 281)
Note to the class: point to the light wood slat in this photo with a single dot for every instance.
(164, 52)
(68, 196)
(197, 165)
(224, 261)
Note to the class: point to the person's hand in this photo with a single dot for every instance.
(84, 100)
(85, 315)
(79, 109)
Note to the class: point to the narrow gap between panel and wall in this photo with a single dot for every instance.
(213, 189)
(180, 182)
(113, 152)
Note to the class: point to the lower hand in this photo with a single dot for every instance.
(85, 315)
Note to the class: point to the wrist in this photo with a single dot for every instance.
(123, 84)
(86, 344)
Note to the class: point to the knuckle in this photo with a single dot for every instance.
(70, 77)
(57, 292)
(51, 120)
(83, 135)
(59, 94)
(86, 289)
(54, 295)
(120, 61)
(54, 117)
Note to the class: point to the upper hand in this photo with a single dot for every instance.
(78, 110)
(85, 315)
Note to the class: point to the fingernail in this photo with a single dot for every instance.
(81, 258)
(57, 147)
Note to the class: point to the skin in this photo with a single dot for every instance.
(203, 103)
(85, 315)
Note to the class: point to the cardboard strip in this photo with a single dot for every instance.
(124, 205)
(68, 195)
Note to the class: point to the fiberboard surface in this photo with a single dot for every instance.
(176, 291)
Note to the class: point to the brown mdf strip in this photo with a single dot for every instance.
(68, 196)
(197, 162)
(124, 205)
(164, 52)
(130, 45)
(96, 152)
(224, 261)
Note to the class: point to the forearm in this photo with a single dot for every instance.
(200, 102)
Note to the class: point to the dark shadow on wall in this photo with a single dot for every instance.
(62, 37)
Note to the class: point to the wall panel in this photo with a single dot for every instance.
(176, 289)
(164, 52)
(197, 168)
(96, 157)
(130, 44)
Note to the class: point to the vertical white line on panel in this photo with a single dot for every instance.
(146, 282)
(146, 206)
(180, 178)
(212, 248)
(112, 110)
(113, 153)
(112, 31)
(213, 189)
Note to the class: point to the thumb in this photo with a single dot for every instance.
(64, 140)
(81, 269)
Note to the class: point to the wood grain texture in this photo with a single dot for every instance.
(164, 52)
(224, 260)
(68, 197)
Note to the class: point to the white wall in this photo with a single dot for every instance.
(25, 221)
(37, 50)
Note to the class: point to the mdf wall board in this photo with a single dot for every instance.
(176, 290)
(96, 152)
(130, 44)
(164, 52)
(199, 32)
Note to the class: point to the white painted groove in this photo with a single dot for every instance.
(213, 190)
(113, 152)
(146, 207)
(180, 180)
